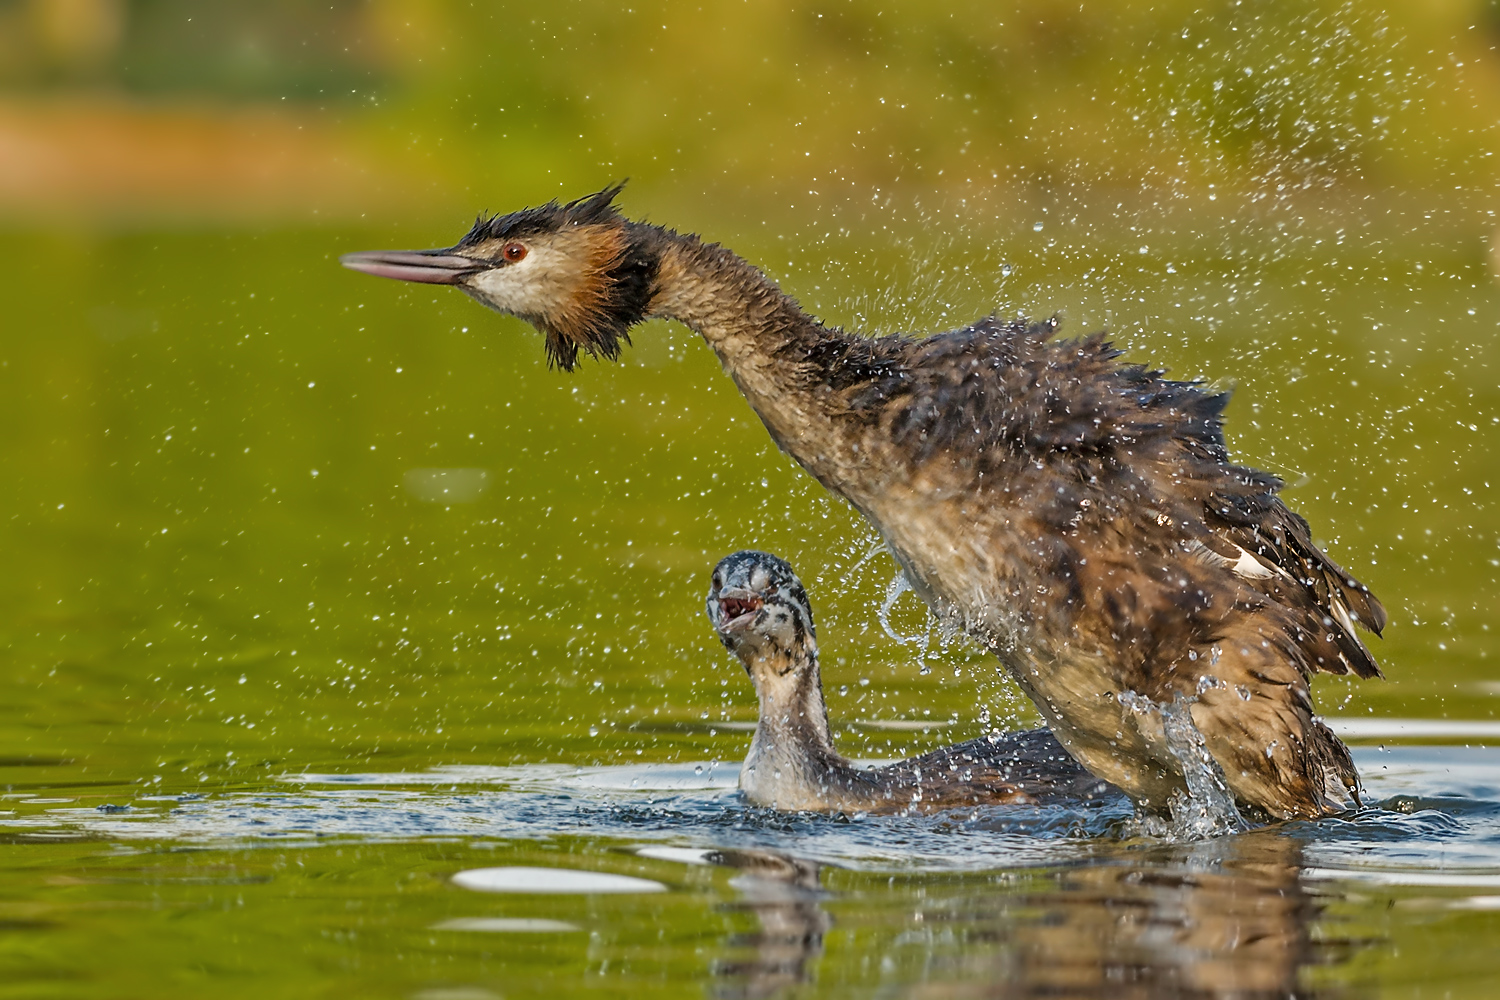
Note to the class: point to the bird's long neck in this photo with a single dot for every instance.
(762, 337)
(791, 758)
(792, 710)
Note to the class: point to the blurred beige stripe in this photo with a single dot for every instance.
(114, 160)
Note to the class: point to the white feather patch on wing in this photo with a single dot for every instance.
(1208, 556)
(1341, 613)
(1250, 567)
(1246, 566)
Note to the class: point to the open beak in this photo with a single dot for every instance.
(737, 609)
(431, 267)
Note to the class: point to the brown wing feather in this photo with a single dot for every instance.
(1300, 576)
(1122, 437)
(1128, 531)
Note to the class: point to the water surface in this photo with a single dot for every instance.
(323, 590)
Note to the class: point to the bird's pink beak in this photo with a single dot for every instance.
(431, 267)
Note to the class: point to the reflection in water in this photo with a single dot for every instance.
(783, 893)
(1221, 918)
(1035, 902)
(1226, 918)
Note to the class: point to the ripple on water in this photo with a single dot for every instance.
(1435, 815)
(553, 881)
(507, 925)
(1434, 821)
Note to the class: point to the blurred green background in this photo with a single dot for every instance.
(263, 515)
(228, 547)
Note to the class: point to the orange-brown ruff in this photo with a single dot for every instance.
(1077, 515)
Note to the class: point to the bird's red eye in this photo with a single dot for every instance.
(514, 252)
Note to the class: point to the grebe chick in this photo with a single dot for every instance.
(761, 613)
(1078, 516)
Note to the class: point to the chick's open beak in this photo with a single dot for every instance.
(431, 267)
(737, 609)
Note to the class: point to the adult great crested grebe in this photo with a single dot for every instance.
(1077, 515)
(761, 613)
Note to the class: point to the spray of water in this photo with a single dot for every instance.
(921, 640)
(1207, 809)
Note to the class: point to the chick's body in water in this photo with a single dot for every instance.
(1077, 515)
(761, 613)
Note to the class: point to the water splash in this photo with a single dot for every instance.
(1207, 808)
(873, 548)
(922, 640)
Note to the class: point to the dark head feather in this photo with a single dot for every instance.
(590, 210)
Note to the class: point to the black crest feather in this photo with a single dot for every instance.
(591, 209)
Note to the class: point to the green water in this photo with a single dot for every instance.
(226, 565)
(356, 921)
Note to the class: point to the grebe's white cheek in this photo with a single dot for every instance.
(544, 283)
(505, 288)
